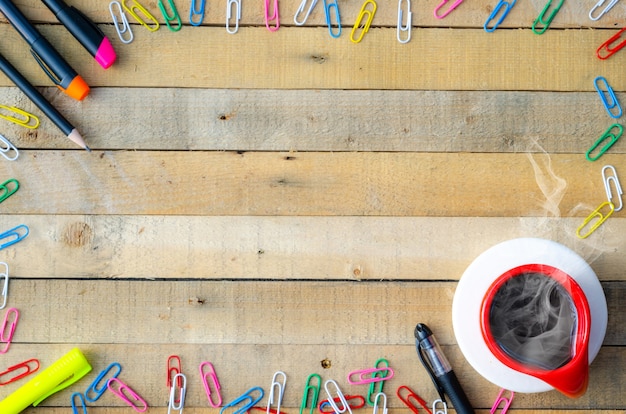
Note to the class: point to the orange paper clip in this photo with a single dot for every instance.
(27, 368)
(410, 394)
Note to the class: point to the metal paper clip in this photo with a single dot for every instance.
(127, 394)
(595, 220)
(407, 400)
(278, 387)
(605, 91)
(311, 393)
(447, 12)
(345, 407)
(607, 179)
(440, 407)
(174, 367)
(354, 401)
(229, 15)
(608, 135)
(172, 17)
(301, 10)
(379, 396)
(95, 387)
(81, 399)
(196, 12)
(367, 376)
(378, 379)
(14, 235)
(246, 396)
(501, 4)
(135, 9)
(179, 383)
(5, 191)
(603, 12)
(328, 6)
(26, 119)
(26, 368)
(499, 400)
(7, 148)
(366, 14)
(5, 284)
(10, 320)
(215, 384)
(122, 27)
(544, 22)
(402, 27)
(271, 15)
(608, 46)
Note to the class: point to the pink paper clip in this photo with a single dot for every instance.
(7, 337)
(274, 16)
(500, 399)
(125, 393)
(365, 375)
(447, 12)
(407, 400)
(215, 384)
(608, 45)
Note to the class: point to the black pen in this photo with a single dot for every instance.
(41, 102)
(440, 370)
(84, 30)
(45, 54)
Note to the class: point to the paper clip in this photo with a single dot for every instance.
(246, 396)
(179, 383)
(100, 379)
(603, 92)
(443, 409)
(499, 400)
(5, 191)
(383, 396)
(599, 218)
(367, 376)
(81, 399)
(301, 10)
(280, 388)
(359, 402)
(345, 407)
(196, 12)
(271, 17)
(607, 179)
(26, 119)
(608, 46)
(16, 234)
(311, 393)
(5, 284)
(122, 27)
(407, 400)
(409, 22)
(447, 12)
(608, 135)
(25, 367)
(215, 384)
(501, 4)
(10, 320)
(544, 22)
(366, 14)
(7, 148)
(378, 379)
(229, 15)
(174, 367)
(328, 6)
(171, 17)
(603, 12)
(125, 393)
(135, 9)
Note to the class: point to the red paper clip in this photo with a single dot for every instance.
(608, 45)
(215, 384)
(22, 365)
(407, 400)
(349, 398)
(174, 368)
(7, 337)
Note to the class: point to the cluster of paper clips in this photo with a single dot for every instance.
(18, 117)
(613, 190)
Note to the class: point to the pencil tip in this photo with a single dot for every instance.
(87, 148)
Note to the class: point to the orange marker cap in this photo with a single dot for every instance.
(77, 89)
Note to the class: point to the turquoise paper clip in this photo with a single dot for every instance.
(172, 17)
(501, 4)
(16, 234)
(311, 393)
(327, 9)
(542, 23)
(8, 188)
(196, 14)
(605, 91)
(81, 399)
(608, 135)
(246, 396)
(100, 380)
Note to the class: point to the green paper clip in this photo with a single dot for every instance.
(372, 390)
(171, 17)
(541, 20)
(608, 134)
(314, 390)
(8, 188)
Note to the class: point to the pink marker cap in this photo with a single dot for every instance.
(105, 55)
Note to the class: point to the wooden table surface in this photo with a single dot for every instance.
(289, 201)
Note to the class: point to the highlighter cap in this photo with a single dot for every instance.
(77, 89)
(105, 56)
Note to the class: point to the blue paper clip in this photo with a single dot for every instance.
(327, 8)
(83, 405)
(507, 8)
(196, 15)
(544, 22)
(100, 379)
(8, 188)
(246, 396)
(171, 17)
(608, 135)
(14, 235)
(603, 92)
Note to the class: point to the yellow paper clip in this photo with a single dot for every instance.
(599, 219)
(368, 15)
(26, 119)
(137, 8)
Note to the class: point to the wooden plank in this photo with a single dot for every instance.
(307, 120)
(304, 248)
(308, 58)
(267, 183)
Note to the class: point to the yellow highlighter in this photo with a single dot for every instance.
(63, 373)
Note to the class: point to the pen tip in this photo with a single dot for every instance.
(422, 331)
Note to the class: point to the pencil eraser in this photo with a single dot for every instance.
(105, 55)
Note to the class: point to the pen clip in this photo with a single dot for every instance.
(53, 77)
(438, 386)
(66, 383)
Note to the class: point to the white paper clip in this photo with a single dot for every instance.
(229, 15)
(5, 284)
(280, 388)
(607, 179)
(440, 407)
(383, 396)
(122, 28)
(177, 403)
(301, 10)
(7, 149)
(603, 12)
(409, 22)
(331, 400)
